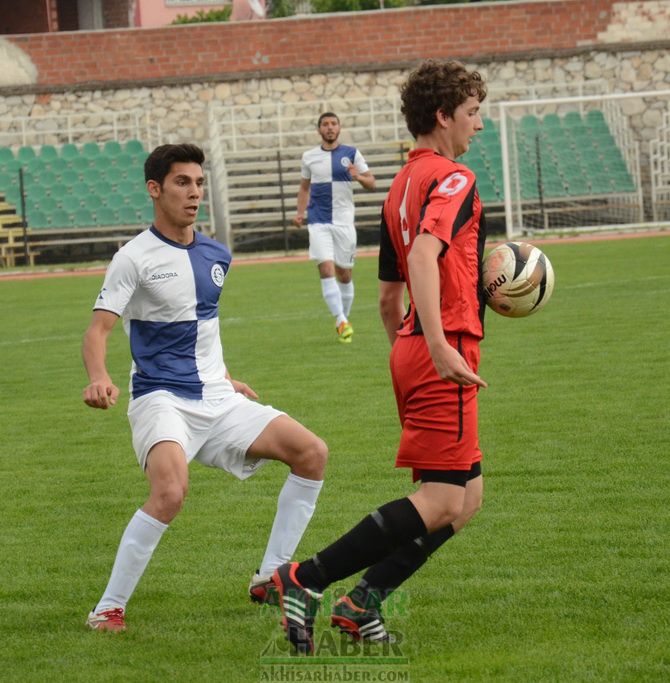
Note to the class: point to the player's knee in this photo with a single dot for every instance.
(447, 513)
(312, 461)
(169, 500)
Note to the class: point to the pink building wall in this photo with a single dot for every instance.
(155, 13)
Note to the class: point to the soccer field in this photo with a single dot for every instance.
(563, 576)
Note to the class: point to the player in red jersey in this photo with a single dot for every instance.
(432, 240)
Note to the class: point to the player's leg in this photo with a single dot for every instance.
(321, 250)
(167, 472)
(359, 612)
(379, 534)
(287, 440)
(344, 242)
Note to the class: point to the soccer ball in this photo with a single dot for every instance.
(518, 279)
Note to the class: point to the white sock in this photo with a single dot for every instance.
(347, 293)
(333, 298)
(137, 545)
(295, 507)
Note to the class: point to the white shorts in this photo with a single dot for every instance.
(215, 432)
(332, 243)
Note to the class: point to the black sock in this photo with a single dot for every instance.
(372, 539)
(383, 578)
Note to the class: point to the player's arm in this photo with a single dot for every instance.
(391, 306)
(367, 180)
(303, 199)
(241, 387)
(425, 280)
(101, 391)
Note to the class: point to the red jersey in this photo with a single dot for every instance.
(435, 195)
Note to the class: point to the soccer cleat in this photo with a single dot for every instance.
(345, 332)
(107, 620)
(359, 623)
(262, 590)
(298, 607)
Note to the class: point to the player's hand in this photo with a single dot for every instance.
(298, 220)
(353, 171)
(450, 365)
(101, 394)
(244, 389)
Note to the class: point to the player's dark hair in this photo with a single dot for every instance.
(159, 162)
(437, 86)
(325, 115)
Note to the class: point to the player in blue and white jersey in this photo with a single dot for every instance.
(165, 284)
(327, 173)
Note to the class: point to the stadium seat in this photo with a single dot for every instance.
(70, 177)
(106, 216)
(7, 180)
(6, 154)
(69, 151)
(92, 202)
(46, 178)
(11, 165)
(595, 118)
(128, 216)
(47, 204)
(57, 165)
(37, 219)
(25, 153)
(112, 148)
(147, 214)
(138, 199)
(34, 165)
(60, 219)
(114, 201)
(114, 175)
(58, 190)
(551, 121)
(90, 150)
(126, 187)
(83, 218)
(70, 203)
(80, 164)
(572, 119)
(133, 147)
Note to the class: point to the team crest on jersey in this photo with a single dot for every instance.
(217, 275)
(453, 184)
(345, 161)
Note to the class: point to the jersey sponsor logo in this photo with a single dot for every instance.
(453, 184)
(217, 275)
(404, 228)
(163, 276)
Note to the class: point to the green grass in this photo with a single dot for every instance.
(563, 576)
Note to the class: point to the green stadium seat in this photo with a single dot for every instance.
(58, 190)
(600, 183)
(37, 219)
(69, 151)
(128, 215)
(47, 178)
(92, 202)
(25, 154)
(6, 154)
(101, 163)
(529, 124)
(114, 201)
(114, 175)
(48, 152)
(13, 195)
(70, 177)
(595, 117)
(551, 121)
(57, 165)
(83, 218)
(70, 203)
(573, 119)
(112, 148)
(126, 187)
(138, 199)
(35, 165)
(103, 188)
(11, 166)
(80, 190)
(133, 147)
(47, 204)
(90, 150)
(80, 164)
(147, 214)
(7, 180)
(61, 219)
(106, 216)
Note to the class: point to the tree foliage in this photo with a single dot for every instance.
(201, 16)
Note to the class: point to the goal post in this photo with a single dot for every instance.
(582, 163)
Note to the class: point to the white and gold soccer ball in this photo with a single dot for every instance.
(518, 279)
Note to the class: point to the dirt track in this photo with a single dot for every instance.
(363, 253)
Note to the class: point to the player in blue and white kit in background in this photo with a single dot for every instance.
(184, 405)
(327, 172)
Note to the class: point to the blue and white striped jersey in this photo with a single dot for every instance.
(168, 295)
(331, 198)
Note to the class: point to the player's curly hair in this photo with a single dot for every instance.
(437, 86)
(159, 162)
